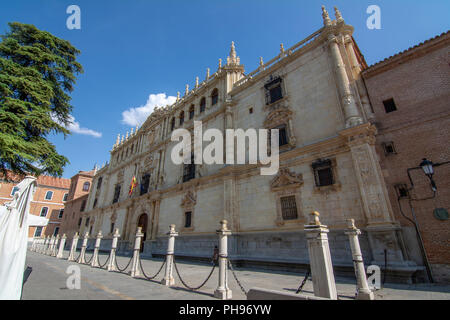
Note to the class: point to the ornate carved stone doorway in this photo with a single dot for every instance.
(143, 222)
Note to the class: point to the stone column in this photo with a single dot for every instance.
(223, 292)
(73, 247)
(61, 247)
(320, 259)
(94, 262)
(112, 255)
(351, 112)
(137, 247)
(55, 246)
(168, 277)
(363, 291)
(83, 248)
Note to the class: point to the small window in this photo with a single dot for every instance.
(145, 182)
(116, 194)
(38, 232)
(250, 111)
(90, 230)
(181, 118)
(274, 91)
(202, 105)
(187, 219)
(189, 170)
(288, 208)
(172, 124)
(99, 183)
(214, 97)
(44, 211)
(49, 195)
(191, 112)
(83, 206)
(14, 190)
(389, 148)
(95, 203)
(55, 233)
(282, 136)
(87, 222)
(402, 190)
(79, 222)
(61, 213)
(323, 173)
(65, 197)
(389, 105)
(112, 228)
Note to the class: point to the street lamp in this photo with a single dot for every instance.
(427, 167)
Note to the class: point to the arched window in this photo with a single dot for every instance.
(214, 96)
(49, 195)
(172, 124)
(191, 112)
(202, 105)
(86, 186)
(181, 118)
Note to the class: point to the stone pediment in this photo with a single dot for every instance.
(278, 116)
(189, 200)
(286, 179)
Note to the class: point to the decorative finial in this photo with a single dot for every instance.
(326, 17)
(187, 90)
(351, 224)
(220, 63)
(126, 137)
(233, 58)
(261, 62)
(172, 228)
(122, 139)
(315, 218)
(118, 140)
(207, 73)
(135, 131)
(224, 224)
(196, 82)
(132, 131)
(338, 15)
(281, 48)
(178, 95)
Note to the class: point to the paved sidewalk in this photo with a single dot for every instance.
(48, 281)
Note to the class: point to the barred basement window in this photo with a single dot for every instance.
(389, 148)
(187, 219)
(389, 105)
(323, 173)
(288, 208)
(402, 190)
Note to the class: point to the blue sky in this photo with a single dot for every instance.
(132, 49)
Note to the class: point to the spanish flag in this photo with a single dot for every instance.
(132, 185)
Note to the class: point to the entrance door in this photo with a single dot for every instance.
(142, 222)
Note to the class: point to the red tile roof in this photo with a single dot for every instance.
(41, 180)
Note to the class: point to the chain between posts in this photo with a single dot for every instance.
(235, 277)
(300, 288)
(122, 270)
(186, 285)
(102, 265)
(145, 275)
(88, 261)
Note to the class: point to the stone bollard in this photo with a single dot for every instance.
(73, 247)
(33, 244)
(320, 259)
(55, 246)
(137, 247)
(42, 246)
(83, 248)
(50, 246)
(168, 279)
(62, 243)
(94, 262)
(112, 255)
(363, 291)
(223, 292)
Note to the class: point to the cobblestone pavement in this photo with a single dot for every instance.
(47, 280)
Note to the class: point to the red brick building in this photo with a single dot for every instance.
(80, 185)
(410, 95)
(48, 201)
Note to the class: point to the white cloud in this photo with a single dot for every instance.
(137, 116)
(75, 127)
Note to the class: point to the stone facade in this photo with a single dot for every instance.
(328, 163)
(48, 201)
(418, 81)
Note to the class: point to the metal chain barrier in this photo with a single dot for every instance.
(300, 288)
(88, 261)
(184, 283)
(120, 269)
(145, 275)
(78, 256)
(235, 277)
(104, 264)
